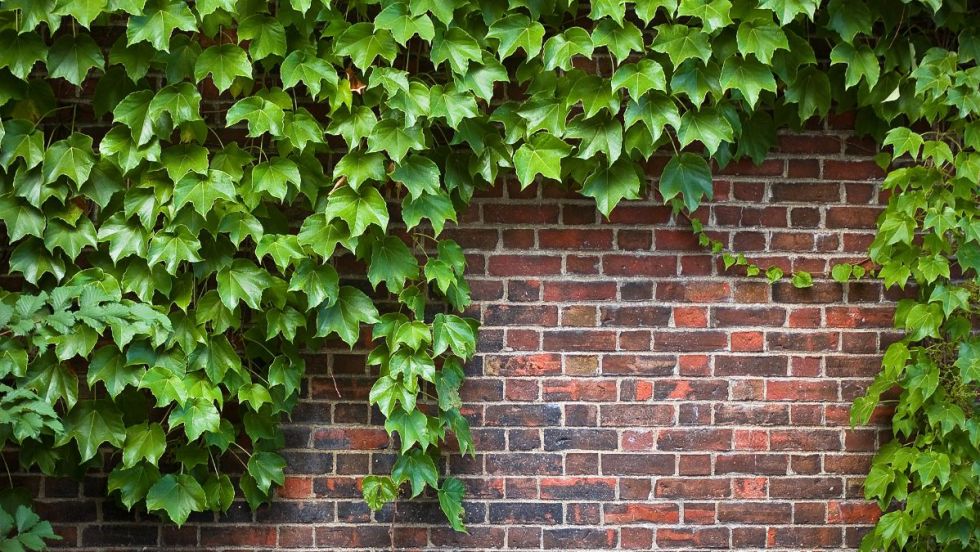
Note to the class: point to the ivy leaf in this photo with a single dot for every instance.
(392, 262)
(451, 502)
(637, 78)
(689, 176)
(541, 154)
(267, 469)
(861, 64)
(345, 316)
(748, 76)
(415, 467)
(411, 429)
(72, 57)
(20, 219)
(457, 47)
(159, 21)
(968, 360)
(681, 42)
(133, 483)
(108, 366)
(655, 111)
(517, 32)
(438, 208)
(811, 92)
(378, 491)
(708, 126)
(760, 38)
(266, 36)
(184, 159)
(167, 387)
(204, 192)
(360, 167)
(144, 441)
(283, 248)
(173, 248)
(363, 44)
(71, 157)
(931, 466)
(181, 101)
(714, 14)
(92, 423)
(242, 281)
(207, 7)
(224, 63)
(394, 139)
(411, 365)
(320, 283)
(903, 141)
(610, 184)
(403, 24)
(84, 11)
(274, 176)
(619, 40)
(312, 71)
(216, 357)
(197, 415)
(260, 114)
(134, 112)
(419, 174)
(561, 48)
(788, 10)
(20, 51)
(387, 392)
(177, 495)
(598, 134)
(849, 18)
(357, 208)
(450, 332)
(647, 11)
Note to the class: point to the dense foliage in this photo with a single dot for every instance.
(180, 269)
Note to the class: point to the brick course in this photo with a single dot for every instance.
(628, 393)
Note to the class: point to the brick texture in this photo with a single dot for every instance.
(628, 394)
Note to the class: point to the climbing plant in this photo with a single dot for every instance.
(197, 192)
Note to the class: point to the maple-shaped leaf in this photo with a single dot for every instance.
(345, 316)
(541, 154)
(73, 57)
(517, 32)
(177, 496)
(358, 209)
(224, 63)
(611, 184)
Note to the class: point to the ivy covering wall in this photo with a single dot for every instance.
(176, 266)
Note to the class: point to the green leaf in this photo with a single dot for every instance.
(217, 357)
(451, 332)
(320, 283)
(261, 116)
(787, 10)
(159, 21)
(861, 64)
(517, 32)
(133, 483)
(267, 469)
(811, 91)
(639, 77)
(92, 423)
(457, 47)
(387, 392)
(204, 192)
(760, 38)
(178, 496)
(392, 262)
(71, 157)
(655, 111)
(708, 126)
(72, 57)
(306, 67)
(359, 167)
(541, 154)
(108, 366)
(451, 502)
(378, 491)
(403, 24)
(20, 219)
(197, 416)
(561, 48)
(363, 44)
(144, 441)
(620, 40)
(225, 63)
(416, 467)
(265, 34)
(396, 140)
(968, 361)
(242, 281)
(274, 177)
(903, 141)
(931, 466)
(438, 208)
(20, 51)
(689, 176)
(418, 174)
(714, 14)
(610, 184)
(184, 159)
(748, 76)
(345, 316)
(173, 249)
(358, 209)
(802, 279)
(681, 42)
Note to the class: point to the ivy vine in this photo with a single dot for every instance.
(180, 181)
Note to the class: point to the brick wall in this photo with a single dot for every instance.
(628, 395)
